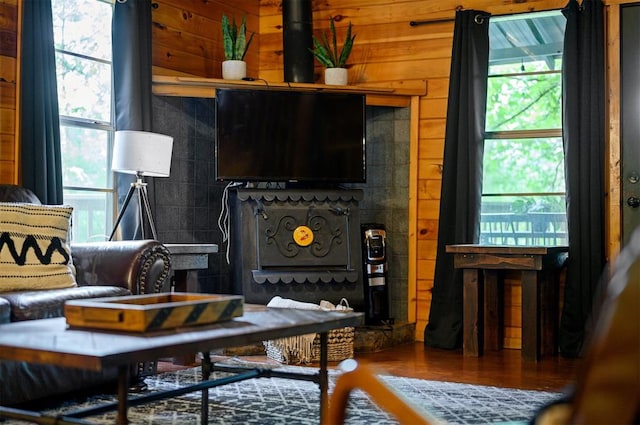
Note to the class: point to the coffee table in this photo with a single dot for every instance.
(50, 341)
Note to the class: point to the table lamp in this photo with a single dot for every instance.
(144, 154)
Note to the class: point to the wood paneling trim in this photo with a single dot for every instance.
(414, 128)
(613, 214)
(16, 175)
(205, 87)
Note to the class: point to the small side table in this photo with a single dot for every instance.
(483, 299)
(186, 260)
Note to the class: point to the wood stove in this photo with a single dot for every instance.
(298, 244)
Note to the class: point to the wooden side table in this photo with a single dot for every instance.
(186, 260)
(483, 300)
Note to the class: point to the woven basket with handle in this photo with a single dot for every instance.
(306, 350)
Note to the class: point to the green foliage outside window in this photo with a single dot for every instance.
(523, 168)
(82, 36)
(524, 102)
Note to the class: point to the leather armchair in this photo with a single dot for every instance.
(103, 269)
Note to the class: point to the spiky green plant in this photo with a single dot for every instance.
(234, 39)
(327, 51)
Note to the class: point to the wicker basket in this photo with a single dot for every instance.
(306, 348)
(339, 347)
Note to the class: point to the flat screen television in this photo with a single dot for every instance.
(290, 136)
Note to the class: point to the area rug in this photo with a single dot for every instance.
(284, 401)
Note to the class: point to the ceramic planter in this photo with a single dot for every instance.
(336, 76)
(234, 70)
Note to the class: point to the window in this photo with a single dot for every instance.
(523, 191)
(82, 33)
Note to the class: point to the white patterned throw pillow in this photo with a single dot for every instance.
(34, 247)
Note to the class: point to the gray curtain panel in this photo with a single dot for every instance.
(131, 39)
(41, 161)
(583, 125)
(462, 172)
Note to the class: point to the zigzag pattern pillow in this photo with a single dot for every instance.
(34, 247)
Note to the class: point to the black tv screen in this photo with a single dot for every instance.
(290, 136)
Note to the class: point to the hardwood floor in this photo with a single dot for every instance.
(503, 368)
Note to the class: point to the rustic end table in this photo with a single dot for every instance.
(186, 260)
(483, 300)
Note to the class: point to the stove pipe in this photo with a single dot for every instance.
(297, 20)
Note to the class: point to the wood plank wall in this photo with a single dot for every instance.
(187, 35)
(388, 51)
(8, 88)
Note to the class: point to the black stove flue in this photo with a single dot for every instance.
(297, 21)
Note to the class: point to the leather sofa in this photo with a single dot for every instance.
(103, 269)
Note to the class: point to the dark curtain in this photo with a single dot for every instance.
(131, 38)
(584, 135)
(462, 172)
(41, 160)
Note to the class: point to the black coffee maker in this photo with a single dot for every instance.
(374, 256)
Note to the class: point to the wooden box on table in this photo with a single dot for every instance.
(153, 312)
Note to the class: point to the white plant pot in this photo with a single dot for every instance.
(336, 76)
(234, 70)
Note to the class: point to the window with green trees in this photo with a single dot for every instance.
(523, 192)
(82, 34)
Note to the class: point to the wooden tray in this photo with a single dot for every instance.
(152, 312)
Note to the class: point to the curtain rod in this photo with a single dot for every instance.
(435, 21)
(432, 21)
(479, 19)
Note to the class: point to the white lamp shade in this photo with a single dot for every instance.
(142, 152)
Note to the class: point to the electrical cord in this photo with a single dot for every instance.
(224, 222)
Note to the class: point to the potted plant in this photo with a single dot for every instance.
(326, 52)
(236, 44)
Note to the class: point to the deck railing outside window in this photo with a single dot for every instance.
(524, 229)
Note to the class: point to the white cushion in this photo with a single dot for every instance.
(34, 247)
